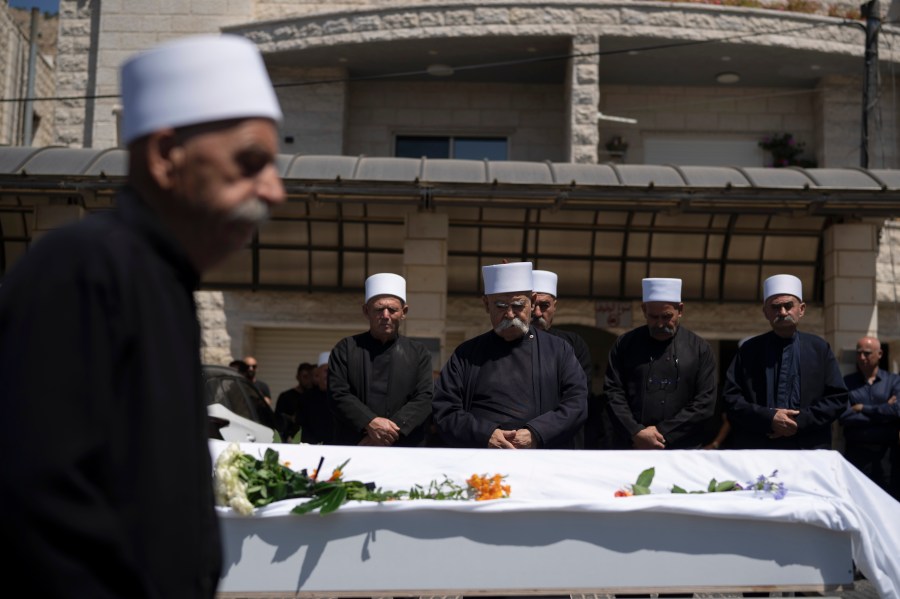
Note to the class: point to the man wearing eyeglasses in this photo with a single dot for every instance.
(515, 386)
(783, 389)
(660, 382)
(871, 423)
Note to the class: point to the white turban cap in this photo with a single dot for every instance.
(662, 290)
(507, 278)
(386, 283)
(194, 80)
(783, 285)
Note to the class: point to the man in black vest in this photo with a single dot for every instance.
(379, 383)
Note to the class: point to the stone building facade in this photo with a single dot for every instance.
(15, 47)
(332, 64)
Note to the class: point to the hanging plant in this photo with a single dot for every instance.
(785, 150)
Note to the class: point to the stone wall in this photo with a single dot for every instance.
(96, 37)
(15, 46)
(118, 29)
(531, 116)
(750, 113)
(277, 9)
(315, 116)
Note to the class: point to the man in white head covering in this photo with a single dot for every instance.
(515, 386)
(122, 503)
(783, 389)
(660, 383)
(379, 382)
(545, 302)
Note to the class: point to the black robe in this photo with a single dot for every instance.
(823, 395)
(678, 410)
(410, 388)
(558, 387)
(105, 483)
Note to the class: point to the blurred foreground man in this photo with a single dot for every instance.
(514, 387)
(783, 389)
(106, 477)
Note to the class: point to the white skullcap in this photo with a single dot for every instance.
(193, 80)
(783, 285)
(662, 290)
(386, 283)
(507, 278)
(323, 358)
(544, 281)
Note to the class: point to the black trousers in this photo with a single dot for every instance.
(879, 461)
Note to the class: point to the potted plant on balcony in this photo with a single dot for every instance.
(617, 146)
(785, 150)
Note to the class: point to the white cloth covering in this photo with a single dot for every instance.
(824, 490)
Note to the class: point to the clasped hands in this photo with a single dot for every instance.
(517, 439)
(783, 424)
(381, 432)
(648, 438)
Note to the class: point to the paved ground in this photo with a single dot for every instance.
(863, 589)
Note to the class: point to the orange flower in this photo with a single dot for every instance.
(488, 487)
(624, 493)
(336, 475)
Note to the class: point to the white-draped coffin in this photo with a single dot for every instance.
(563, 531)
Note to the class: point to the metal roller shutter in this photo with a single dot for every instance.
(280, 351)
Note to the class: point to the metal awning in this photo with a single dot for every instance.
(429, 183)
(722, 229)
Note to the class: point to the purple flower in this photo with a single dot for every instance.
(764, 485)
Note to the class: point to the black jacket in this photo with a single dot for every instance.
(105, 485)
(559, 386)
(823, 396)
(410, 388)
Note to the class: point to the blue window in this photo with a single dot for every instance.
(443, 146)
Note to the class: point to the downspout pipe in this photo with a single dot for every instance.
(28, 117)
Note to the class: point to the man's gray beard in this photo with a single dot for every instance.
(541, 323)
(511, 322)
(253, 211)
(670, 331)
(785, 318)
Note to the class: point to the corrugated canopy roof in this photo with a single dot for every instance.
(436, 182)
(605, 225)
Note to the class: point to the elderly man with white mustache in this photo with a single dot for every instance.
(99, 333)
(784, 389)
(515, 386)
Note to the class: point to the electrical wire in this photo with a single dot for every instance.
(486, 65)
